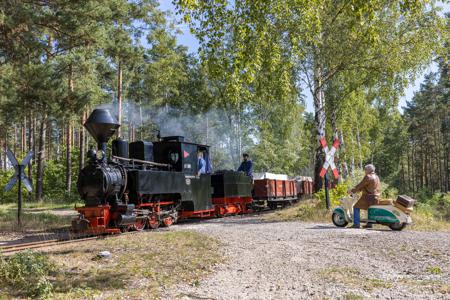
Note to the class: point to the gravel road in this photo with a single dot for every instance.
(297, 260)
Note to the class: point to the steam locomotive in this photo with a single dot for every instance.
(144, 184)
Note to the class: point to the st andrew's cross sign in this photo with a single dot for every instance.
(329, 157)
(19, 177)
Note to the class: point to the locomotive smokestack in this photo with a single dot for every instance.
(102, 126)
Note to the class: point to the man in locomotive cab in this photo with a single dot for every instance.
(201, 165)
(246, 165)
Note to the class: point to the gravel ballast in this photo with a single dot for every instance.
(299, 260)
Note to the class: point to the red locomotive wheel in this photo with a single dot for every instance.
(140, 224)
(153, 223)
(168, 221)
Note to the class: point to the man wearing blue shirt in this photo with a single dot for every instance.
(201, 163)
(246, 165)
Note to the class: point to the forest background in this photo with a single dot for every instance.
(242, 92)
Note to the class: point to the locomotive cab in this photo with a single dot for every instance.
(182, 156)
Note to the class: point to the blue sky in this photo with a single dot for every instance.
(187, 39)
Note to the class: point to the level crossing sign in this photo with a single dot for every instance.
(329, 157)
(19, 177)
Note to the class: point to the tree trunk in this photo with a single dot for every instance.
(414, 169)
(447, 168)
(69, 136)
(74, 137)
(30, 148)
(1, 155)
(68, 157)
(402, 172)
(422, 167)
(320, 120)
(49, 143)
(437, 157)
(82, 141)
(35, 129)
(119, 96)
(40, 159)
(23, 136)
(238, 133)
(408, 166)
(358, 141)
(15, 140)
(5, 147)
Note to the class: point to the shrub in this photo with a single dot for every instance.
(439, 204)
(340, 191)
(10, 196)
(27, 274)
(389, 192)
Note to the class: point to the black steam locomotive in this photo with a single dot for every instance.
(148, 184)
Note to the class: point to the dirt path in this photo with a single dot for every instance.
(296, 260)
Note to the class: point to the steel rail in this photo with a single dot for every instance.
(11, 249)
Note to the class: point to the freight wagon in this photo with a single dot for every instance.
(273, 190)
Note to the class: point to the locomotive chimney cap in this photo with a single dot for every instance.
(101, 125)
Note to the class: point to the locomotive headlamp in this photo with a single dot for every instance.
(100, 154)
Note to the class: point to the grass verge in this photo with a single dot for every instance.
(312, 210)
(353, 278)
(423, 220)
(140, 266)
(35, 217)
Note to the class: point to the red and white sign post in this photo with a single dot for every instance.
(329, 163)
(329, 158)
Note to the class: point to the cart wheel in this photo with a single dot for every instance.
(397, 226)
(339, 220)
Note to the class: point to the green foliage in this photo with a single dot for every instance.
(54, 183)
(438, 205)
(435, 270)
(388, 192)
(27, 273)
(340, 191)
(59, 59)
(10, 196)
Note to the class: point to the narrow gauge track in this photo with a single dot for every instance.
(12, 249)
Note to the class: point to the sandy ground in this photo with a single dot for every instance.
(296, 260)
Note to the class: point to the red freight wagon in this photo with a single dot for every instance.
(308, 187)
(304, 186)
(274, 192)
